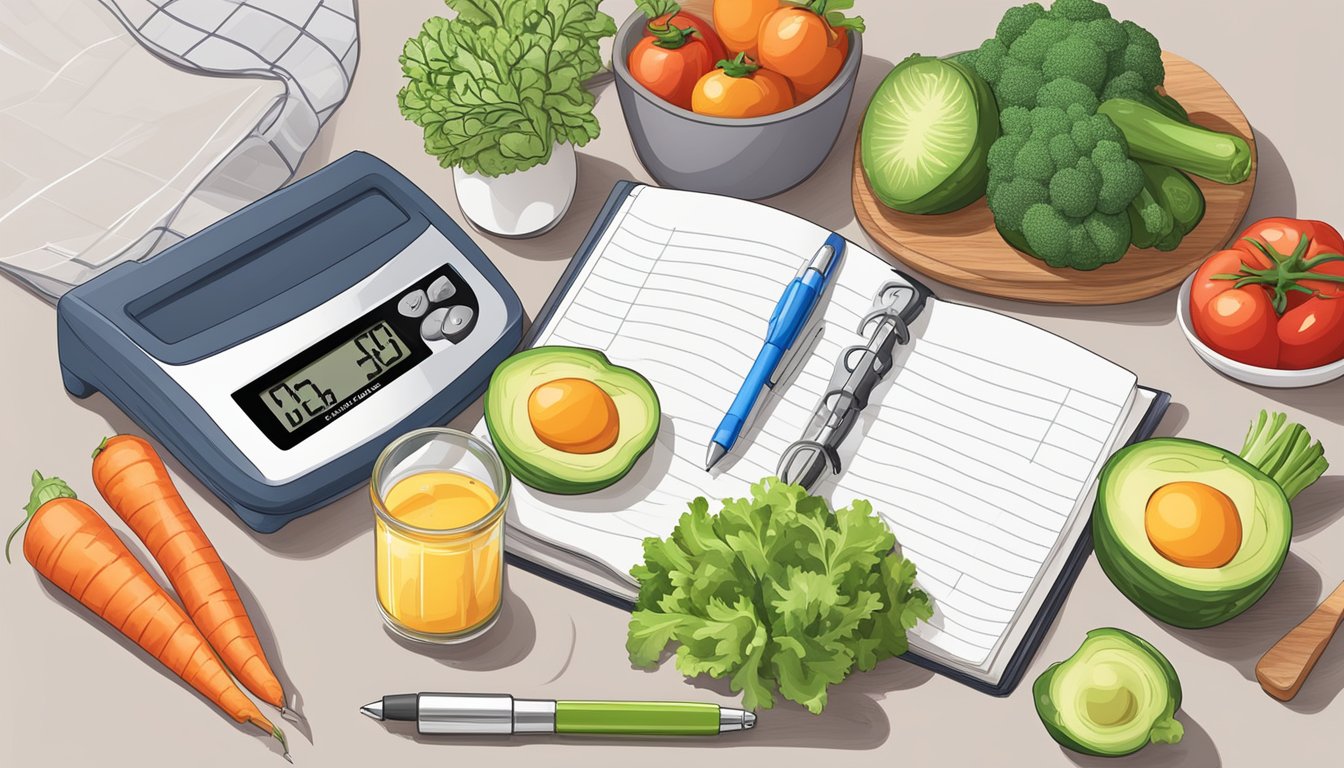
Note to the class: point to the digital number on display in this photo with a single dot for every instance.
(341, 373)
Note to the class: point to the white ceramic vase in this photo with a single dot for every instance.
(523, 204)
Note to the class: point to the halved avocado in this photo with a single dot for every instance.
(608, 418)
(1115, 695)
(1178, 594)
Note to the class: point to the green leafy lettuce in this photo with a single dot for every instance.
(497, 87)
(775, 591)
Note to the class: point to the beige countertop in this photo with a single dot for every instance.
(75, 696)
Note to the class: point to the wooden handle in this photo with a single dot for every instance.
(1283, 669)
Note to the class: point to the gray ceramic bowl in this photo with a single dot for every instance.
(749, 158)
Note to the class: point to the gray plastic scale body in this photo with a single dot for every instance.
(277, 352)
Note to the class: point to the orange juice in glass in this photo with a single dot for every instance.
(438, 499)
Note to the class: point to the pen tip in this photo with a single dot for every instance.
(716, 452)
(373, 710)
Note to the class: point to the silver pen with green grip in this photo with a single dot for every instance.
(501, 714)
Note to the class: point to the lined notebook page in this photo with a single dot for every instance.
(981, 452)
(976, 451)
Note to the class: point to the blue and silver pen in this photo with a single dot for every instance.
(791, 314)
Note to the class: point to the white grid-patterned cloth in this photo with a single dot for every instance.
(131, 125)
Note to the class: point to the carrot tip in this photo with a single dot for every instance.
(280, 737)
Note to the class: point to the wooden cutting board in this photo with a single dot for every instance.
(963, 249)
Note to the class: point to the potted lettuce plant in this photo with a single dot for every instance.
(499, 91)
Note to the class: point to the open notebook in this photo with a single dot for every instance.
(981, 449)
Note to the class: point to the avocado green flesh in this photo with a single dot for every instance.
(536, 464)
(1177, 594)
(1114, 696)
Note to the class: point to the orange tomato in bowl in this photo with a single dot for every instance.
(739, 21)
(800, 43)
(740, 88)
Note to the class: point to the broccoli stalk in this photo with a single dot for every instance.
(1157, 138)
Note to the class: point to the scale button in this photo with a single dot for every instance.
(413, 304)
(442, 289)
(457, 321)
(432, 326)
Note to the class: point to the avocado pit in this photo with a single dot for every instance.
(573, 415)
(1193, 524)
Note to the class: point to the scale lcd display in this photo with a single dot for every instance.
(311, 391)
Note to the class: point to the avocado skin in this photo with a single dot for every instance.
(538, 477)
(1050, 715)
(1154, 592)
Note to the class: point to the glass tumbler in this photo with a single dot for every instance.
(438, 499)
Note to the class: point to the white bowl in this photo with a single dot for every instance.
(1251, 374)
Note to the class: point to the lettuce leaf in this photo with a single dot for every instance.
(497, 87)
(777, 593)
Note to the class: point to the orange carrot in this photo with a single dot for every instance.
(69, 544)
(132, 478)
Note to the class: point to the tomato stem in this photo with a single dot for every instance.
(740, 66)
(1286, 271)
(671, 37)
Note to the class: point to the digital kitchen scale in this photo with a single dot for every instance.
(278, 351)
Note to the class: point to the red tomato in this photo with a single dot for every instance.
(1276, 299)
(1240, 323)
(703, 29)
(1312, 334)
(670, 60)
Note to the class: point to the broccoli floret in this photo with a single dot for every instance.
(1033, 161)
(1017, 20)
(1073, 192)
(1063, 151)
(1088, 131)
(1107, 34)
(1142, 56)
(1018, 85)
(1047, 234)
(1065, 93)
(1047, 121)
(1036, 42)
(1015, 121)
(1078, 58)
(1121, 178)
(1015, 197)
(1085, 243)
(988, 60)
(1080, 10)
(1110, 231)
(1124, 86)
